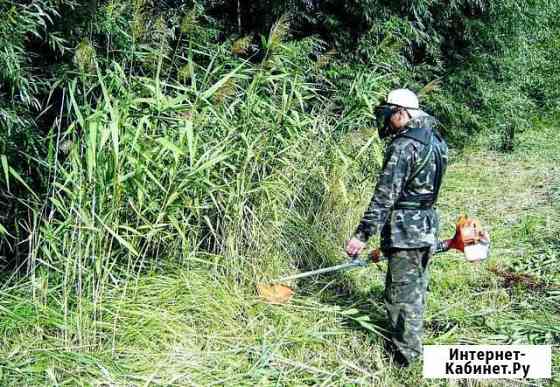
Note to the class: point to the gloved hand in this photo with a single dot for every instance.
(375, 255)
(354, 247)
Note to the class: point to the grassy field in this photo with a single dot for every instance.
(181, 326)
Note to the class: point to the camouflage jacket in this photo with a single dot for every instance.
(404, 228)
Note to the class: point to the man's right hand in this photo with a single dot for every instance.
(354, 247)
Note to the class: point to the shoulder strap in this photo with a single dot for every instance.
(425, 200)
(425, 137)
(439, 165)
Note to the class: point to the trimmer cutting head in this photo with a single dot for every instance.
(275, 293)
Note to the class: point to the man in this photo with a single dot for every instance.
(402, 210)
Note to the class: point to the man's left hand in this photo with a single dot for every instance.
(354, 247)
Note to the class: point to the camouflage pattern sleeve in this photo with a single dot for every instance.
(397, 168)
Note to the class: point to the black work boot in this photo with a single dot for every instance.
(398, 358)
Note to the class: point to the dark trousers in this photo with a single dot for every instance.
(405, 299)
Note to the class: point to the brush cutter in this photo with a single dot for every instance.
(469, 238)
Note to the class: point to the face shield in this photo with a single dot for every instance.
(383, 115)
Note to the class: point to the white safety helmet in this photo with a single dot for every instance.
(404, 98)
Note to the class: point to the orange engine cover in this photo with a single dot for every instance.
(467, 232)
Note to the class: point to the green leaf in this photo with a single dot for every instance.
(122, 241)
(6, 169)
(164, 141)
(208, 93)
(91, 151)
(3, 231)
(368, 326)
(350, 312)
(20, 179)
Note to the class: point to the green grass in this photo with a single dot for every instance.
(200, 326)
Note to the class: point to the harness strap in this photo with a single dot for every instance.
(423, 201)
(439, 172)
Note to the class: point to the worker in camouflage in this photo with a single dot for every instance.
(402, 212)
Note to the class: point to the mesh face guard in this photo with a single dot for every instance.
(383, 115)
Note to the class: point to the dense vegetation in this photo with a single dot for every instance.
(230, 140)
